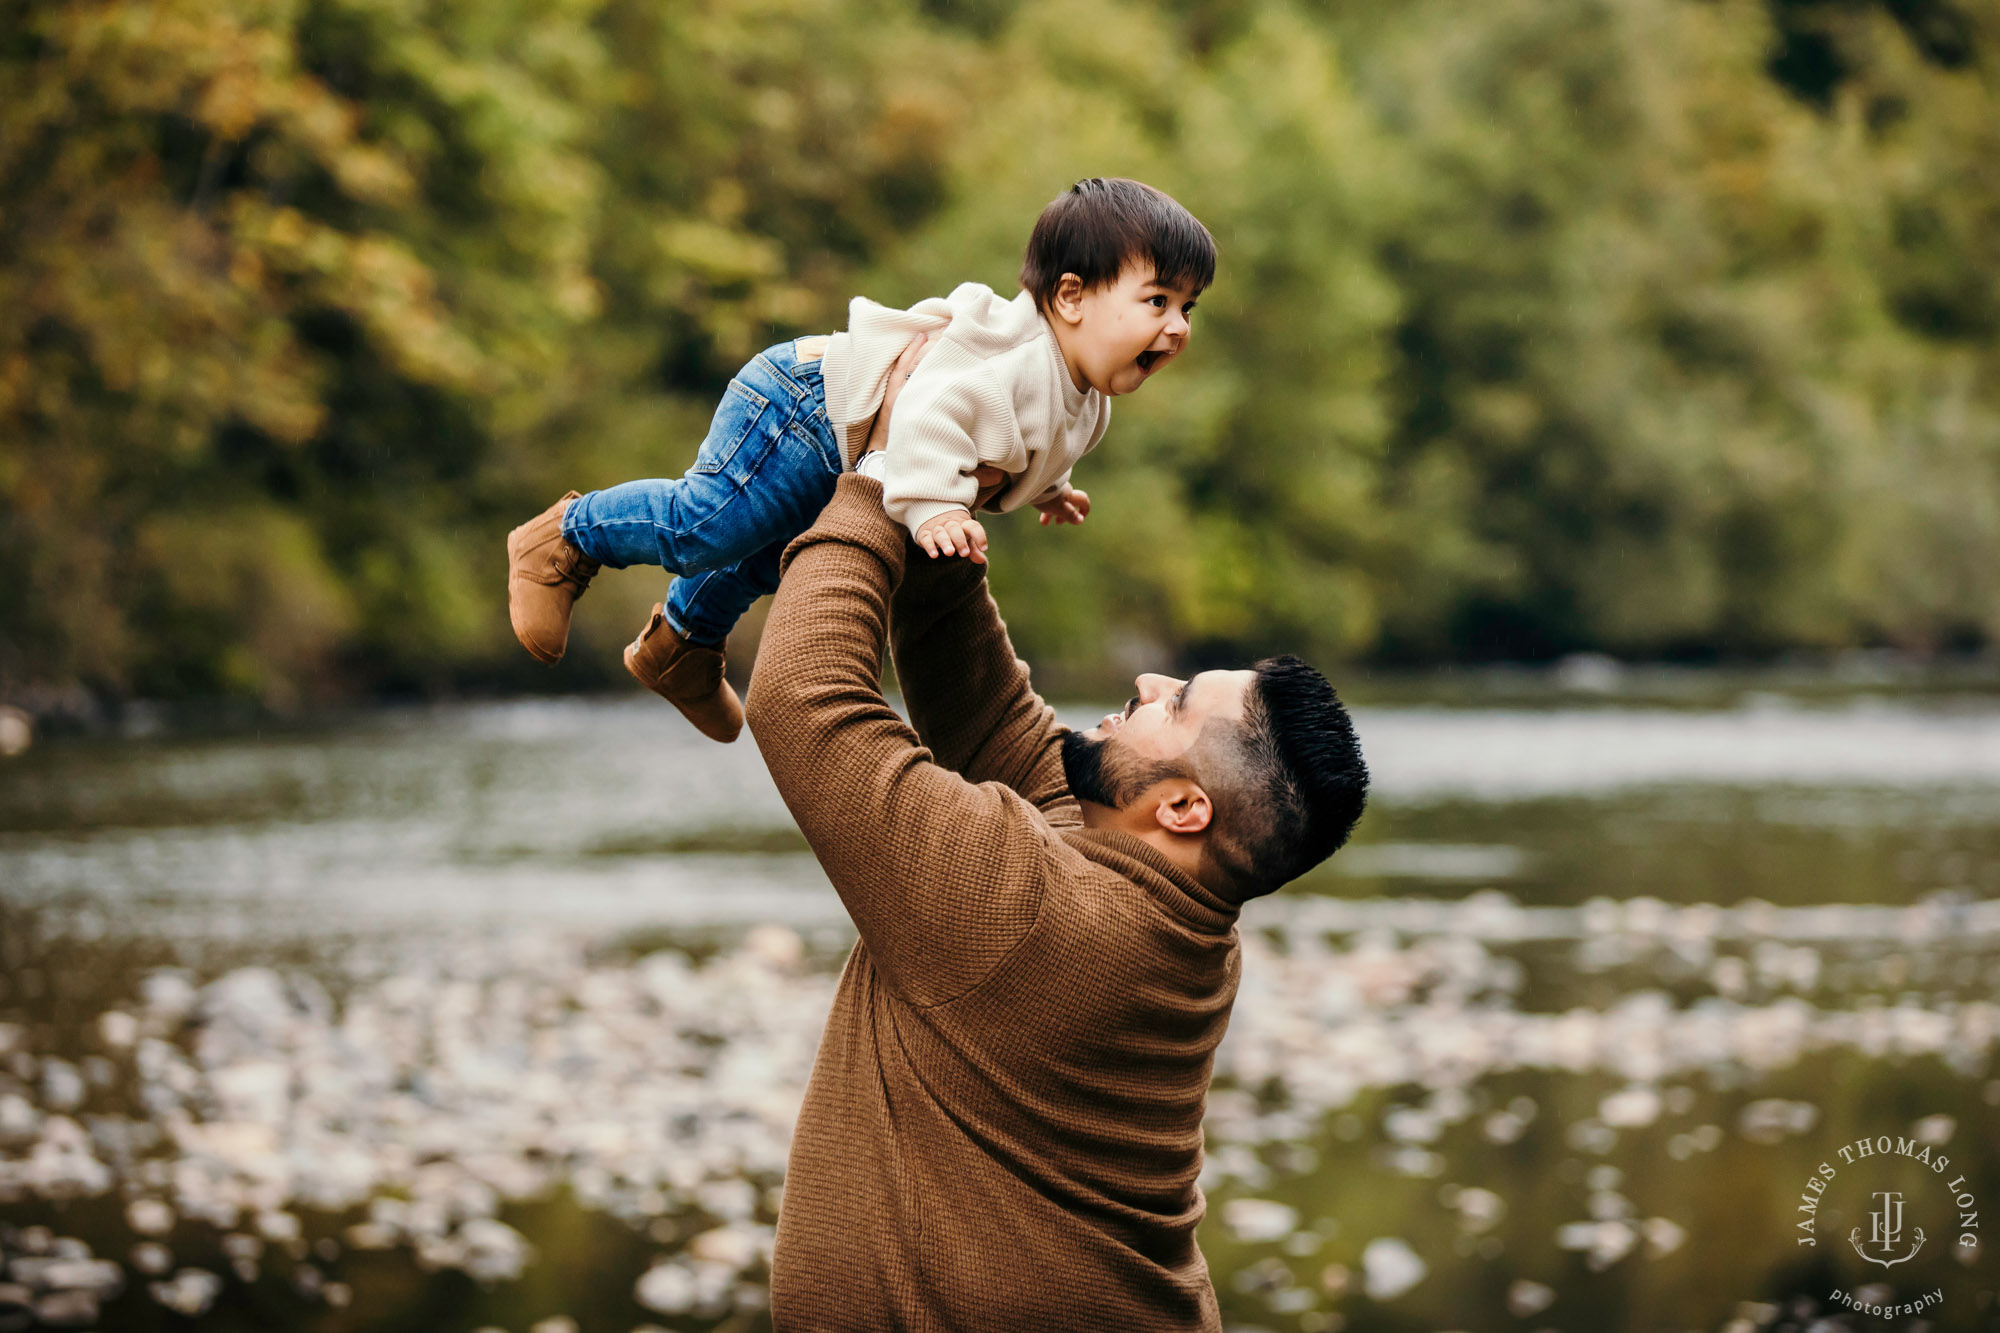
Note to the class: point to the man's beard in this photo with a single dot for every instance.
(1103, 775)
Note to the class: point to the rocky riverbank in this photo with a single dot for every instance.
(452, 1078)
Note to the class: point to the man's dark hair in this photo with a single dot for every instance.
(1288, 782)
(1098, 225)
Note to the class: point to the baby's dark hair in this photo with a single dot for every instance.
(1098, 225)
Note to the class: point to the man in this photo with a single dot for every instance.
(1003, 1126)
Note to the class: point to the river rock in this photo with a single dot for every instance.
(190, 1292)
(1253, 1221)
(149, 1217)
(151, 1258)
(67, 1309)
(1389, 1268)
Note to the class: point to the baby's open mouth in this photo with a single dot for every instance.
(1146, 359)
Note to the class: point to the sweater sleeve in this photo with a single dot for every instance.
(968, 694)
(941, 876)
(934, 446)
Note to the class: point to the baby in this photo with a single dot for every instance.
(1009, 396)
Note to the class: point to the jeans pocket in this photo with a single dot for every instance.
(824, 439)
(735, 417)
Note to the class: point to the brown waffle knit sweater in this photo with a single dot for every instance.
(1003, 1126)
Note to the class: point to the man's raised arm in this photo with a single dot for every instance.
(941, 876)
(967, 693)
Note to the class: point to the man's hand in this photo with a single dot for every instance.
(990, 480)
(954, 532)
(1072, 506)
(906, 366)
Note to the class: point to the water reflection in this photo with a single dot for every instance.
(500, 1015)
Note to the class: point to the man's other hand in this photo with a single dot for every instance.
(899, 374)
(990, 480)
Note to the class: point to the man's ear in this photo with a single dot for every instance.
(1181, 806)
(1067, 299)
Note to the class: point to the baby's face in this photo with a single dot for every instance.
(1129, 329)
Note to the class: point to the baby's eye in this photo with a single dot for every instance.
(1157, 302)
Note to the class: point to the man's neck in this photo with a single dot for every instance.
(1183, 852)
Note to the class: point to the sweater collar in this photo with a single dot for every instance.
(1073, 398)
(1139, 861)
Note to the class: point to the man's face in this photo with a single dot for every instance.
(1131, 328)
(1118, 759)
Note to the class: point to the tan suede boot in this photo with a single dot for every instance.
(687, 675)
(545, 576)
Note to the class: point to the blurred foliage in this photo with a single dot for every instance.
(1663, 327)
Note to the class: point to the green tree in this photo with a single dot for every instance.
(1666, 327)
(235, 290)
(1653, 326)
(1235, 498)
(304, 301)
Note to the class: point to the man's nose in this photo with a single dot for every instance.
(1152, 687)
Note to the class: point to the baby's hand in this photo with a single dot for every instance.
(954, 532)
(1072, 506)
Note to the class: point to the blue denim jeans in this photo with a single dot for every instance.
(763, 474)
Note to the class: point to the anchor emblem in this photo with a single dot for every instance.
(1885, 1232)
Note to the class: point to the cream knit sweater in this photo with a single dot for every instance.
(993, 390)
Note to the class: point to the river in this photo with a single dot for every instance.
(496, 1016)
